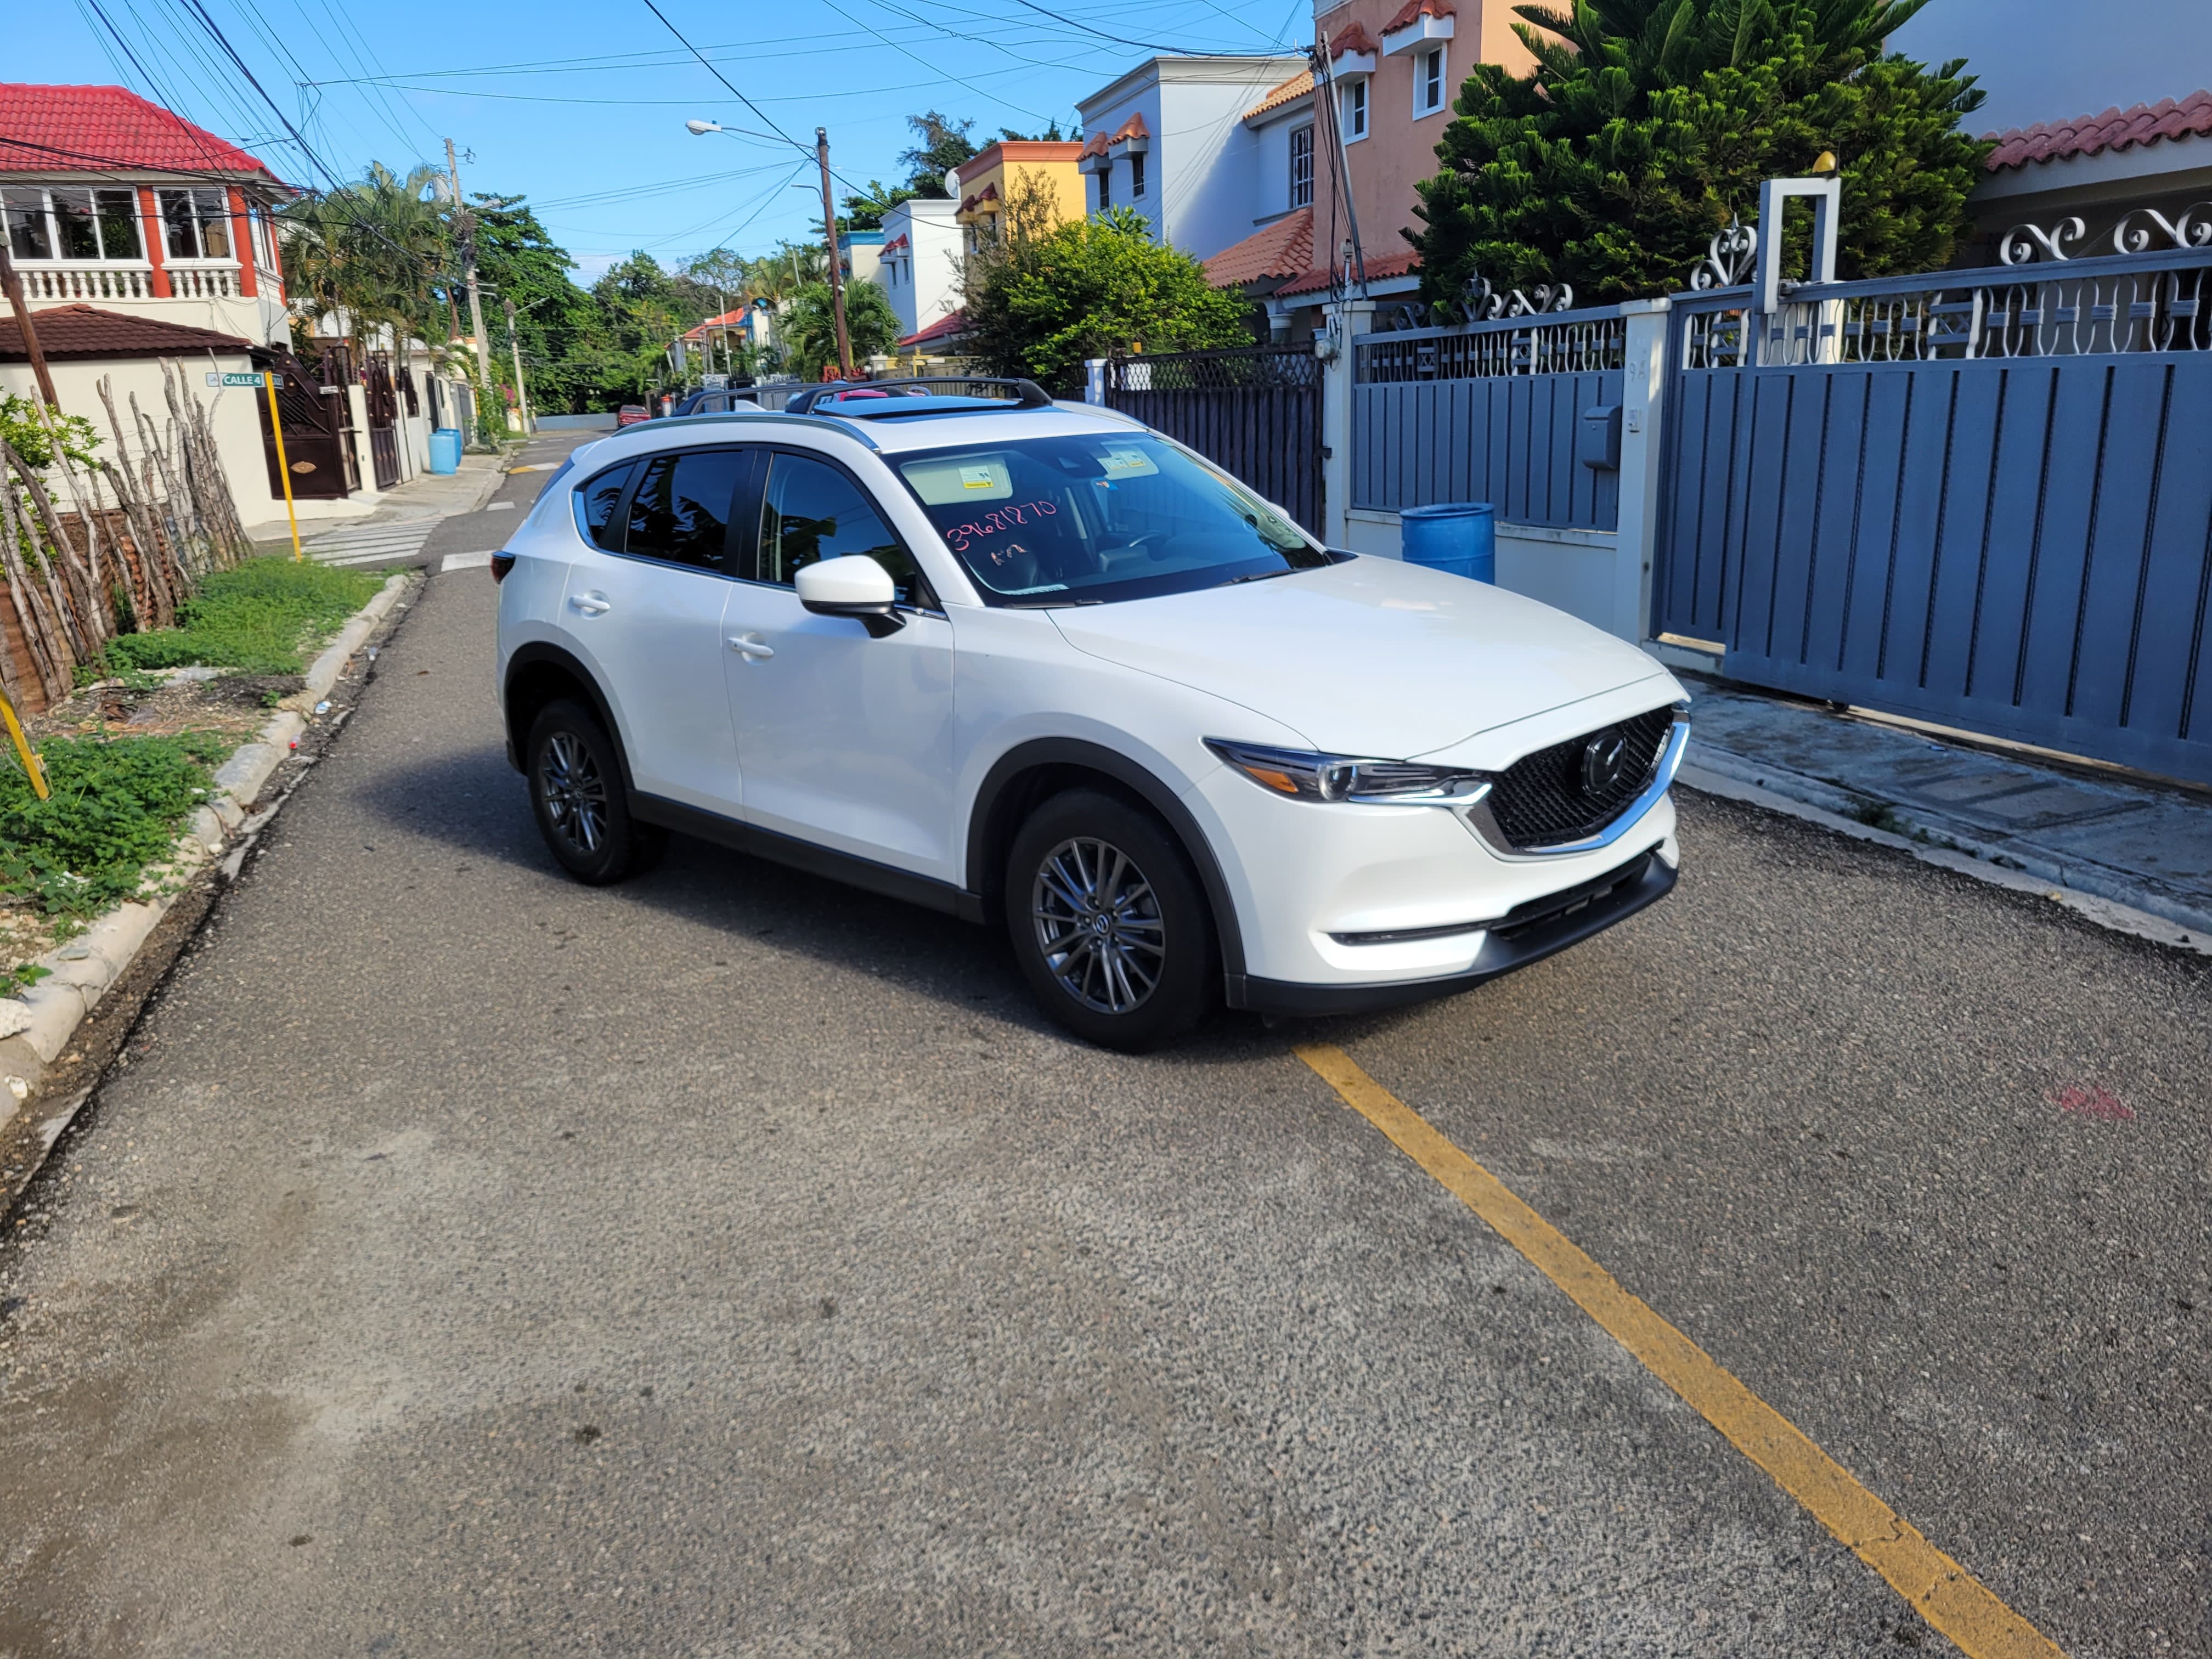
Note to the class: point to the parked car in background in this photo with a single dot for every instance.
(1036, 664)
(730, 402)
(631, 415)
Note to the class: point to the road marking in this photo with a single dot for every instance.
(1945, 1594)
(501, 506)
(464, 562)
(369, 544)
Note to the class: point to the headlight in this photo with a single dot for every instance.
(1302, 775)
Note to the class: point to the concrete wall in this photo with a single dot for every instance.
(2049, 60)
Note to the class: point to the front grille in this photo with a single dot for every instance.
(1545, 799)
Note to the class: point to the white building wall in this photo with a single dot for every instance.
(1200, 171)
(1268, 167)
(928, 285)
(2050, 60)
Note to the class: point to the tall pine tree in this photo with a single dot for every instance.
(1646, 124)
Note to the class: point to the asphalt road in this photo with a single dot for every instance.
(465, 1261)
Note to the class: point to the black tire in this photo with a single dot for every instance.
(1136, 970)
(576, 794)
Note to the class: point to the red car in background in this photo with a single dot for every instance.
(631, 415)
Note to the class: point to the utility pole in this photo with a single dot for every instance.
(13, 280)
(514, 344)
(467, 223)
(837, 272)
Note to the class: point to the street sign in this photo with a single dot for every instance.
(240, 379)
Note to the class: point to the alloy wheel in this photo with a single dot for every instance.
(1099, 926)
(575, 791)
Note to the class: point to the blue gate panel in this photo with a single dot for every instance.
(1508, 440)
(2018, 547)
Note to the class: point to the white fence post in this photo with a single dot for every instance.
(1094, 380)
(1349, 319)
(1644, 369)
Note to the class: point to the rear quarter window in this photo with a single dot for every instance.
(597, 498)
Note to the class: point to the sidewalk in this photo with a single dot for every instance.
(404, 518)
(2136, 843)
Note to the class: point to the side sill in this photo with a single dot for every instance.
(849, 868)
(1497, 956)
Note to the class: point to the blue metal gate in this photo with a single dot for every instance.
(1980, 498)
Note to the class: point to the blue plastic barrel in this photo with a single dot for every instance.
(446, 449)
(1460, 537)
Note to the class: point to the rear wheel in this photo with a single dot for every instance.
(1108, 922)
(576, 794)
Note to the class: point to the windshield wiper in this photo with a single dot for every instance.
(1256, 576)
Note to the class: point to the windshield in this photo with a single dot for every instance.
(1093, 517)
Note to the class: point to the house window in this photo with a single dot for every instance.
(1136, 176)
(1355, 109)
(1302, 167)
(73, 224)
(1106, 188)
(1429, 82)
(197, 223)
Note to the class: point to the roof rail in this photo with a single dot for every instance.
(1028, 394)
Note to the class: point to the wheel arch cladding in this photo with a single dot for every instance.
(540, 674)
(1033, 772)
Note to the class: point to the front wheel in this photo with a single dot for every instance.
(1108, 922)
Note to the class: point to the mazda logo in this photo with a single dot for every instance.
(1605, 757)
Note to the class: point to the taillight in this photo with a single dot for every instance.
(500, 564)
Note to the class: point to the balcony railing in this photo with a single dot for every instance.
(194, 280)
(46, 281)
(203, 282)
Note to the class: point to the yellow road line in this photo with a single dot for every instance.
(1946, 1595)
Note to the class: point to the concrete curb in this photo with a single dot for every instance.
(37, 1024)
(1781, 791)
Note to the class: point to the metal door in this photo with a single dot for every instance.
(1254, 412)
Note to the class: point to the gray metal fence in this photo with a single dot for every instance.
(1979, 498)
(1488, 411)
(1254, 410)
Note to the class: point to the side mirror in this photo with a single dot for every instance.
(854, 586)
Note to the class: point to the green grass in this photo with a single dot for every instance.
(116, 806)
(260, 618)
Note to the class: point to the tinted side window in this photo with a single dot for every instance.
(681, 512)
(596, 501)
(813, 511)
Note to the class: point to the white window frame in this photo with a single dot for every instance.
(1440, 55)
(52, 218)
(1292, 138)
(1354, 97)
(202, 258)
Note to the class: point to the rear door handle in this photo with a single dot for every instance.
(751, 645)
(592, 604)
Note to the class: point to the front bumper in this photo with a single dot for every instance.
(1530, 932)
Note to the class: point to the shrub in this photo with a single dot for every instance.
(116, 806)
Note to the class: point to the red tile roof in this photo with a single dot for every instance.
(1353, 37)
(1282, 249)
(1379, 266)
(2092, 135)
(67, 331)
(1292, 89)
(103, 128)
(1095, 145)
(727, 319)
(1413, 10)
(1135, 127)
(943, 329)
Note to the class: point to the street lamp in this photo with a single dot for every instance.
(697, 128)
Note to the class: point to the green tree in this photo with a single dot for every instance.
(808, 327)
(1646, 124)
(1047, 296)
(554, 319)
(943, 144)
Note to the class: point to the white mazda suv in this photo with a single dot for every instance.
(1034, 664)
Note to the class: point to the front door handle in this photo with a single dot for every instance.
(592, 604)
(751, 645)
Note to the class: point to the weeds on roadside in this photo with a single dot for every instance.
(22, 977)
(116, 806)
(259, 618)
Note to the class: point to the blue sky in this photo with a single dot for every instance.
(581, 106)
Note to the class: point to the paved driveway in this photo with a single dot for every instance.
(470, 1263)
